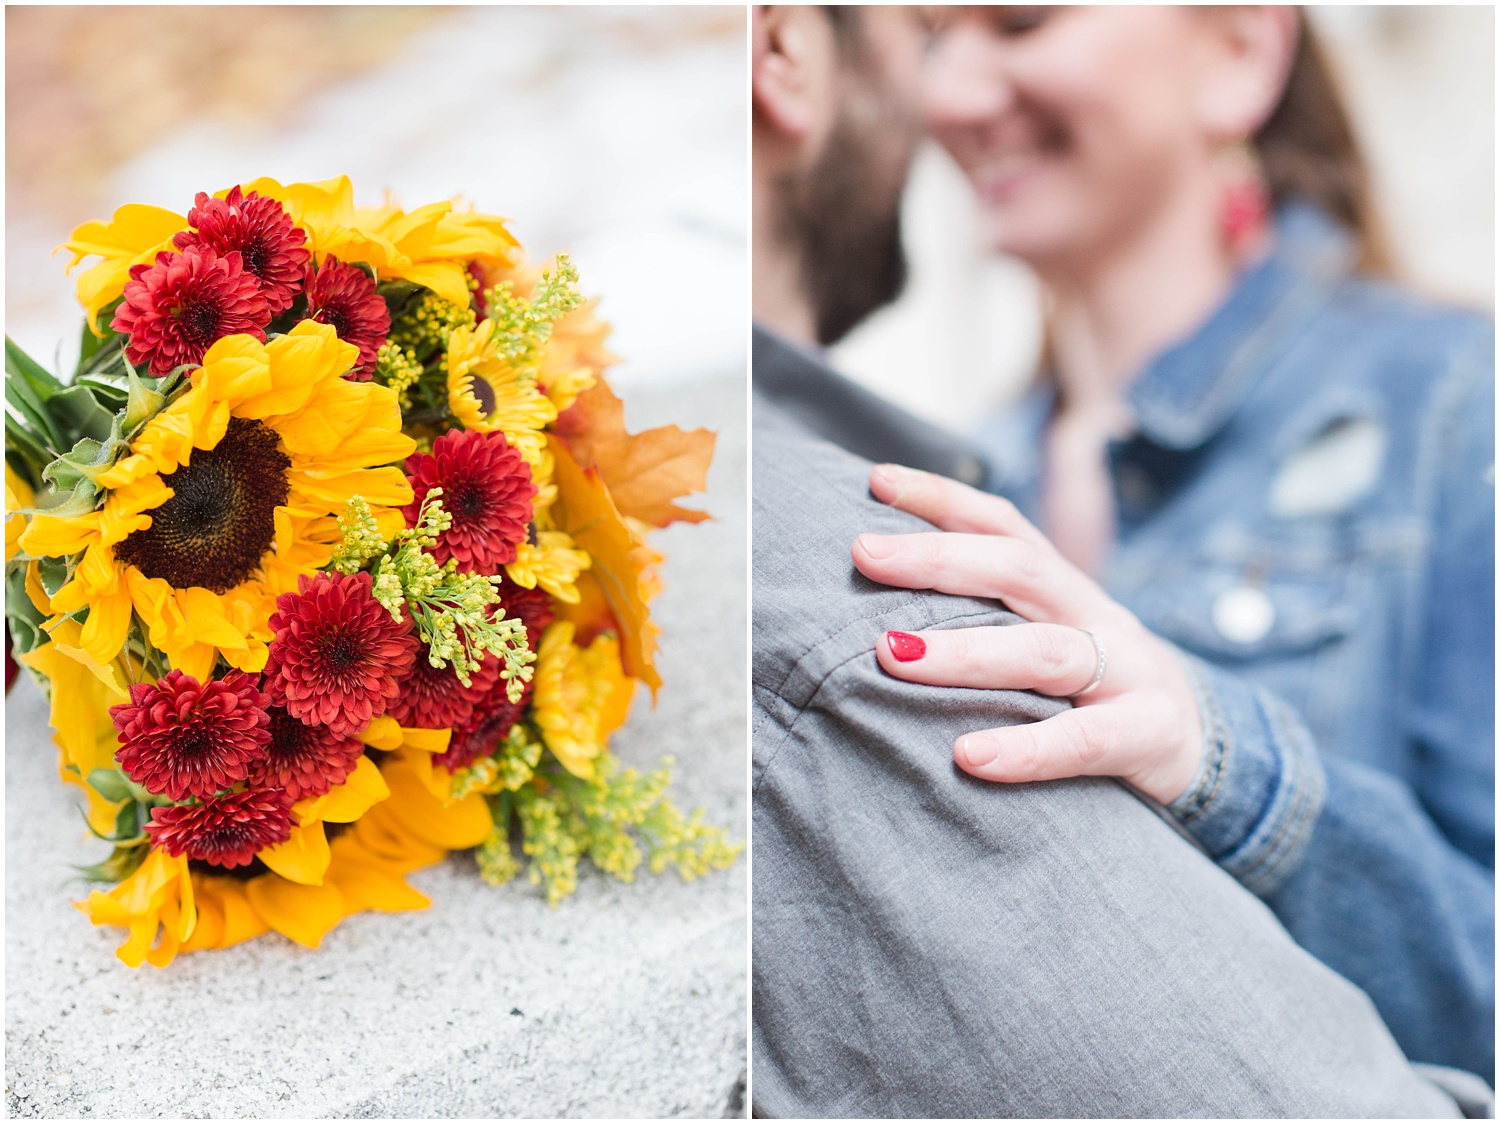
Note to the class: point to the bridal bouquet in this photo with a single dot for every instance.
(331, 559)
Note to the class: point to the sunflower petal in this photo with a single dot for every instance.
(302, 913)
(371, 886)
(362, 789)
(108, 624)
(303, 857)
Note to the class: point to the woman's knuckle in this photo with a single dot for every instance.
(1088, 746)
(1028, 566)
(1050, 654)
(1024, 759)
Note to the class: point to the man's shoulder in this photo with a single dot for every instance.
(841, 411)
(814, 612)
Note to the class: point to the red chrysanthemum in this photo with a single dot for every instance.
(432, 698)
(337, 656)
(531, 606)
(175, 309)
(487, 489)
(492, 718)
(225, 830)
(344, 295)
(303, 760)
(180, 738)
(269, 245)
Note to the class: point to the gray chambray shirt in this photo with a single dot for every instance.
(927, 944)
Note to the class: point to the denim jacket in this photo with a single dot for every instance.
(1306, 509)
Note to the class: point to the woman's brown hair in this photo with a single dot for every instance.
(1308, 150)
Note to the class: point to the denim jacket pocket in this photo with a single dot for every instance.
(1249, 595)
(1255, 611)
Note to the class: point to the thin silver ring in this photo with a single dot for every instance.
(1103, 663)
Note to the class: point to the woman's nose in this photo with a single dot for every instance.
(965, 80)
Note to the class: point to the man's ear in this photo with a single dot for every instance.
(790, 66)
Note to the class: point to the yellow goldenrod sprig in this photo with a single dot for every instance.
(511, 765)
(619, 819)
(523, 325)
(398, 369)
(362, 539)
(423, 328)
(454, 612)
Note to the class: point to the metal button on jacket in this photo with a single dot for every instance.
(1244, 614)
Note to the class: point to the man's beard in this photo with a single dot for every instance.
(843, 216)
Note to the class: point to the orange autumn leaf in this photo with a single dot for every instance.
(645, 471)
(591, 614)
(585, 511)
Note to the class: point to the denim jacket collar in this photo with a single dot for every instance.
(1189, 391)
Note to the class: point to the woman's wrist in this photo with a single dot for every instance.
(1173, 708)
(1260, 785)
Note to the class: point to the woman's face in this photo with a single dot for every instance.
(1073, 124)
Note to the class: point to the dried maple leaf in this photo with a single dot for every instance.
(622, 563)
(645, 471)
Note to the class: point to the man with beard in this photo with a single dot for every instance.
(829, 170)
(925, 943)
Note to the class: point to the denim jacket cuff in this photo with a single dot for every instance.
(1259, 791)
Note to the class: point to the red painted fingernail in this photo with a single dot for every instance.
(906, 647)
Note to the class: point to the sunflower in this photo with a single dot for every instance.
(226, 497)
(169, 907)
(158, 896)
(18, 494)
(580, 696)
(487, 393)
(81, 694)
(134, 236)
(574, 356)
(431, 246)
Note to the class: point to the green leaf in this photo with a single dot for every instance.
(82, 499)
(121, 864)
(87, 460)
(25, 619)
(79, 414)
(110, 784)
(25, 452)
(70, 468)
(128, 824)
(24, 636)
(20, 365)
(91, 345)
(25, 402)
(54, 573)
(144, 401)
(109, 394)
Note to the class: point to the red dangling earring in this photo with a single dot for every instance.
(1245, 207)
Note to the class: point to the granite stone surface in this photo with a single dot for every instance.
(625, 1001)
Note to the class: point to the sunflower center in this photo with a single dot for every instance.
(213, 531)
(484, 394)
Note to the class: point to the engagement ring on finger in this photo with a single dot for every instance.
(1103, 662)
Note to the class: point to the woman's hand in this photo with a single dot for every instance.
(1140, 722)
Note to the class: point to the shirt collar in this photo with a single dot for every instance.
(1189, 391)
